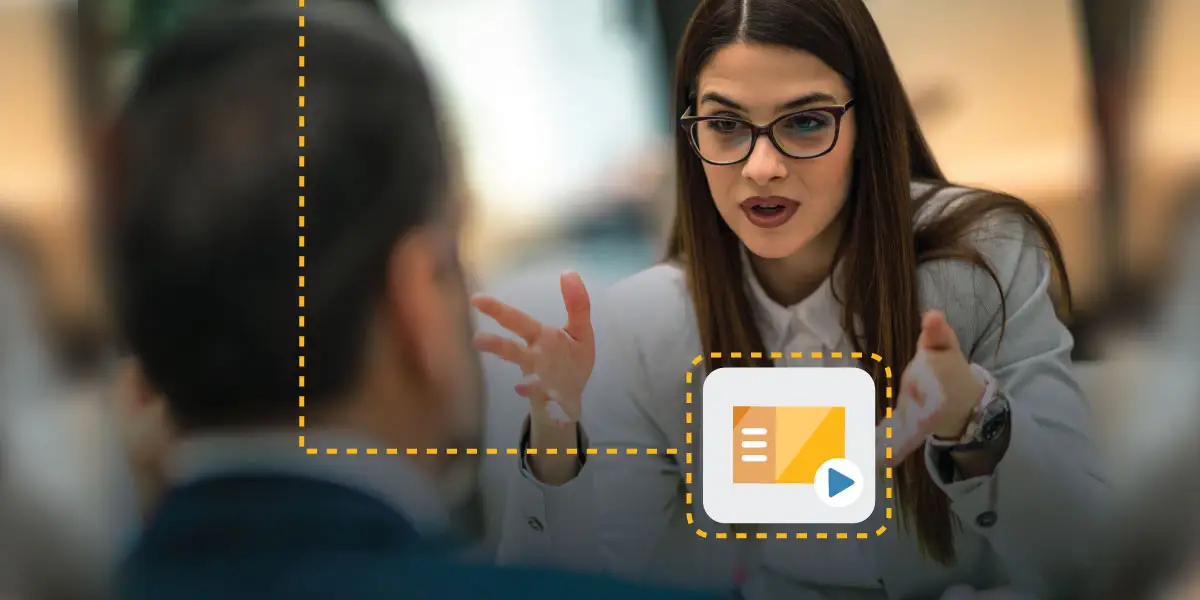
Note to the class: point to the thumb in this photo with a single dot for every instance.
(936, 333)
(579, 306)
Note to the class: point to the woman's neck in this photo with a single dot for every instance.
(791, 279)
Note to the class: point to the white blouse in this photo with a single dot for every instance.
(1029, 525)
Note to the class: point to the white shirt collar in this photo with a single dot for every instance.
(820, 313)
(387, 478)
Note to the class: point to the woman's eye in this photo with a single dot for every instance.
(723, 127)
(808, 122)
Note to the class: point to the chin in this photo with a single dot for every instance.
(772, 247)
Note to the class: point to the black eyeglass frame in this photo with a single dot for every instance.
(689, 123)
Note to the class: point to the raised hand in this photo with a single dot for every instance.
(938, 392)
(556, 361)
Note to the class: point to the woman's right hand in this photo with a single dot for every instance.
(556, 363)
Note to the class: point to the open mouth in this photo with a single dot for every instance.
(771, 212)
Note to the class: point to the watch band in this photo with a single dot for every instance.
(982, 426)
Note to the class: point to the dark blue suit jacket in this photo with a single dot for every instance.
(264, 537)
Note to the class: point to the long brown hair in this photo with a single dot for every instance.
(879, 245)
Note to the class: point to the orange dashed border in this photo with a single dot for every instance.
(300, 210)
(799, 535)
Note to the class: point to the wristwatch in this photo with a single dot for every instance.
(989, 420)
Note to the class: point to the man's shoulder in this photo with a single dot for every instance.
(365, 577)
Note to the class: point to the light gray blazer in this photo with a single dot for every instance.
(1030, 526)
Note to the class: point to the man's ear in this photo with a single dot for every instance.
(416, 306)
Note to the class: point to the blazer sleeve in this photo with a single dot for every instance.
(595, 522)
(1040, 508)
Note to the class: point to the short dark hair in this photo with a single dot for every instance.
(203, 201)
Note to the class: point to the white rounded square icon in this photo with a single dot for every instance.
(788, 445)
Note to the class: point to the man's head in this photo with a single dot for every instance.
(279, 235)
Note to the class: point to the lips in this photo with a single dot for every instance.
(769, 212)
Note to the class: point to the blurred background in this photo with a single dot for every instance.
(1085, 108)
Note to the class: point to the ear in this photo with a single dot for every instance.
(418, 315)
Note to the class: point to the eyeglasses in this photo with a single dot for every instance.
(725, 140)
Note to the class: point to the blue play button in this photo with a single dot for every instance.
(838, 483)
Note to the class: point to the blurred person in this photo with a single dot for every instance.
(198, 213)
(812, 216)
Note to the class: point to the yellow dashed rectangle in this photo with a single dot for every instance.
(735, 355)
(888, 472)
(688, 437)
(689, 398)
(687, 498)
(756, 355)
(631, 451)
(301, 41)
(880, 530)
(761, 536)
(472, 451)
(739, 535)
(610, 450)
(687, 478)
(331, 451)
(672, 451)
(689, 519)
(301, 401)
(775, 355)
(842, 536)
(888, 452)
(887, 432)
(688, 458)
(301, 143)
(688, 418)
(302, 437)
(352, 451)
(889, 512)
(312, 451)
(835, 355)
(452, 451)
(722, 535)
(888, 412)
(888, 492)
(493, 451)
(822, 536)
(781, 536)
(301, 301)
(862, 536)
(301, 341)
(702, 533)
(817, 355)
(531, 451)
(551, 450)
(302, 425)
(797, 355)
(573, 451)
(593, 451)
(887, 372)
(856, 355)
(715, 355)
(876, 358)
(696, 361)
(372, 451)
(651, 450)
(802, 536)
(301, 381)
(301, 81)
(511, 451)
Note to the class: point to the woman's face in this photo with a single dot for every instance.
(776, 204)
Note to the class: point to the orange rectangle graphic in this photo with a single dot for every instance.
(785, 444)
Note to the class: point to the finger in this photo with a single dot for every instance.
(579, 306)
(507, 349)
(508, 317)
(936, 333)
(535, 389)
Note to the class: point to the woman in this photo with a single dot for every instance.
(812, 217)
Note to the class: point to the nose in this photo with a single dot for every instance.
(765, 163)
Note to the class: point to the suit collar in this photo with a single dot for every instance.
(389, 479)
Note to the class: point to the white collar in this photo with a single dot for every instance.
(820, 312)
(389, 479)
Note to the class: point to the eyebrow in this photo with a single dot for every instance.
(794, 103)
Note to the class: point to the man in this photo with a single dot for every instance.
(200, 205)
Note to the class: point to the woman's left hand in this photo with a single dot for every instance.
(938, 393)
